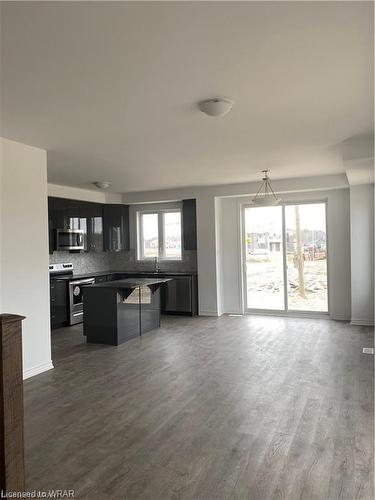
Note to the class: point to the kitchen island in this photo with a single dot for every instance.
(117, 311)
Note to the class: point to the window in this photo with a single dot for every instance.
(149, 236)
(159, 235)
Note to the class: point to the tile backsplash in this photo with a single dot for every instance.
(83, 262)
(127, 261)
(122, 261)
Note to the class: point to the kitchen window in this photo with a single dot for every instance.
(159, 234)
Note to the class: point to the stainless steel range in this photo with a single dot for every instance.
(60, 270)
(74, 290)
(76, 299)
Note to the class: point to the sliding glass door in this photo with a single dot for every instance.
(285, 258)
(306, 257)
(264, 258)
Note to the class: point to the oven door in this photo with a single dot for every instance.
(69, 239)
(76, 299)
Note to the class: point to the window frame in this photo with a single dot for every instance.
(161, 247)
(286, 311)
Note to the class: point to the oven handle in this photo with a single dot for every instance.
(82, 282)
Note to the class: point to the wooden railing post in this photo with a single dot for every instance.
(12, 473)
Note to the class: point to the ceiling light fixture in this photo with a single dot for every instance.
(102, 184)
(218, 106)
(265, 196)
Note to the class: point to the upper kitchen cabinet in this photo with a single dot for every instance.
(116, 227)
(51, 227)
(189, 221)
(93, 214)
(63, 214)
(105, 227)
(66, 214)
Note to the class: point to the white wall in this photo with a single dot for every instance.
(24, 249)
(82, 194)
(338, 235)
(362, 253)
(208, 265)
(230, 298)
(219, 257)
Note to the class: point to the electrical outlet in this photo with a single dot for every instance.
(368, 350)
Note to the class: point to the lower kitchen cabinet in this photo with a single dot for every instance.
(59, 303)
(179, 296)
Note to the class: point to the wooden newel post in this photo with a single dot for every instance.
(12, 473)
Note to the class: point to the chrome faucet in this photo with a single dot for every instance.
(157, 265)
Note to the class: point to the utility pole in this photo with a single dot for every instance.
(300, 260)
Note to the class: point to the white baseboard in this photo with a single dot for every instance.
(362, 322)
(208, 313)
(36, 370)
(338, 317)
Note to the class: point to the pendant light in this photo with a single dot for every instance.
(265, 196)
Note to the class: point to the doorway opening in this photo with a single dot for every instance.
(285, 258)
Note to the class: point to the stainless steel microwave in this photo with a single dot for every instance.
(69, 239)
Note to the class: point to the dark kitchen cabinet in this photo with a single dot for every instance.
(189, 224)
(116, 227)
(180, 296)
(66, 214)
(51, 225)
(58, 303)
(92, 213)
(74, 214)
(96, 234)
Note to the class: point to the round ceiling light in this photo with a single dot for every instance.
(218, 106)
(102, 184)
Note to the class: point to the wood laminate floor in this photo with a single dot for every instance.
(248, 407)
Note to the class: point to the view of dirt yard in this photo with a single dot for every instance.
(265, 283)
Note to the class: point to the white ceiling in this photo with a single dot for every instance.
(110, 89)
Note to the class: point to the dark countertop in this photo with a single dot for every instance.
(129, 273)
(130, 283)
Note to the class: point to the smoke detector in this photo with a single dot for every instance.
(217, 106)
(102, 184)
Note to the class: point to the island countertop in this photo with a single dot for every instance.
(131, 283)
